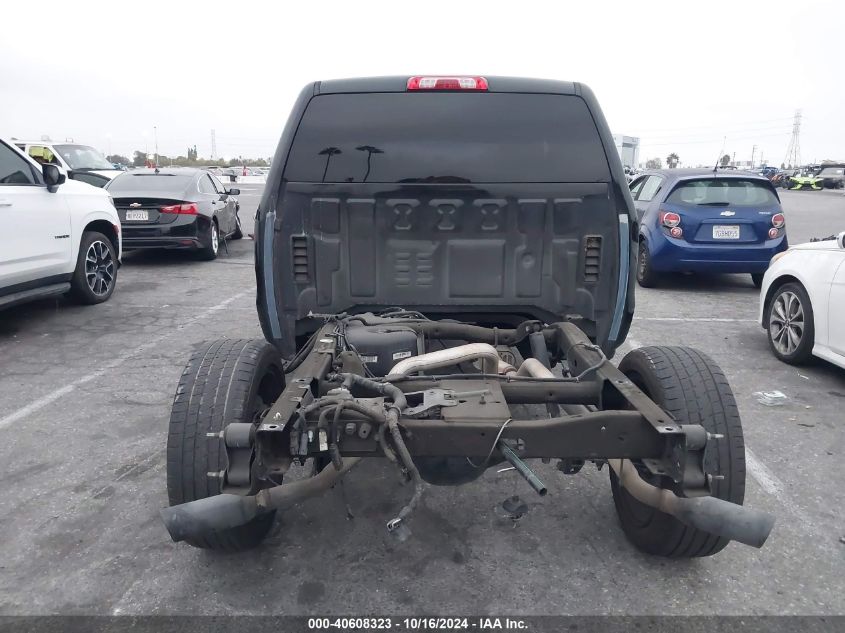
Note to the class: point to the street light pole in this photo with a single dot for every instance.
(155, 134)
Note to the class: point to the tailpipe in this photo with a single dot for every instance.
(202, 517)
(709, 514)
(205, 516)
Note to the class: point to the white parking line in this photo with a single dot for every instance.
(764, 477)
(42, 402)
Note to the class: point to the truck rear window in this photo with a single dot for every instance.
(447, 137)
(723, 192)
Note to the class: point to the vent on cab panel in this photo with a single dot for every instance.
(299, 248)
(592, 258)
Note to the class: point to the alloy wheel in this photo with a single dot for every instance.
(215, 238)
(786, 323)
(99, 268)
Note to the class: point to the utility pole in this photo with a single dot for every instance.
(753, 151)
(155, 134)
(213, 145)
(793, 153)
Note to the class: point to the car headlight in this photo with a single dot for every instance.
(779, 255)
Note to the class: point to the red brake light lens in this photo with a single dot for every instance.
(446, 83)
(184, 209)
(778, 221)
(676, 231)
(773, 233)
(669, 219)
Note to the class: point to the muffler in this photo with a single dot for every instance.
(204, 516)
(709, 514)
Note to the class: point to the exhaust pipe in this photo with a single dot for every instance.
(709, 514)
(204, 516)
(448, 357)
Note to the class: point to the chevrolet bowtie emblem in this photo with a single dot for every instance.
(135, 205)
(727, 214)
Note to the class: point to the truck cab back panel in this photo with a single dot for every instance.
(503, 204)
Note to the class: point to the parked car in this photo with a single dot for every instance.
(696, 220)
(58, 237)
(180, 208)
(802, 302)
(80, 162)
(832, 176)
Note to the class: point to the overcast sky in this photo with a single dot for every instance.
(681, 75)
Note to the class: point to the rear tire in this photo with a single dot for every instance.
(95, 275)
(225, 381)
(691, 387)
(646, 277)
(238, 234)
(209, 250)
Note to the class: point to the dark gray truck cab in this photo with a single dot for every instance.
(493, 206)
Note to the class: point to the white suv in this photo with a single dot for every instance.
(59, 236)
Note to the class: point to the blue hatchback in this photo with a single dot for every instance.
(697, 220)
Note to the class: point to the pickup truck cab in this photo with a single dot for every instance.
(501, 198)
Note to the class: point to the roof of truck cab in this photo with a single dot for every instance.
(399, 84)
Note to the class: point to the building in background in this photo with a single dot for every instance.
(629, 149)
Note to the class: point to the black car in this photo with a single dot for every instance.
(175, 208)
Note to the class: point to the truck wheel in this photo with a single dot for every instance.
(95, 275)
(691, 387)
(225, 381)
(646, 277)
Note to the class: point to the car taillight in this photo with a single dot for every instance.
(773, 233)
(778, 221)
(447, 83)
(669, 219)
(185, 209)
(676, 231)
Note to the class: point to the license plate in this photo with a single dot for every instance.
(137, 216)
(725, 232)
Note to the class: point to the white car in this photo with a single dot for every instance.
(80, 162)
(59, 236)
(802, 302)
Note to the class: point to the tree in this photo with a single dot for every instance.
(672, 160)
(725, 160)
(654, 163)
(139, 158)
(118, 158)
(192, 153)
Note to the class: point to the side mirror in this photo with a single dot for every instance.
(840, 239)
(233, 191)
(53, 177)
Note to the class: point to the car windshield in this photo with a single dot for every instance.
(723, 192)
(154, 183)
(82, 157)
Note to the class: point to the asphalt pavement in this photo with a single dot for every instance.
(85, 394)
